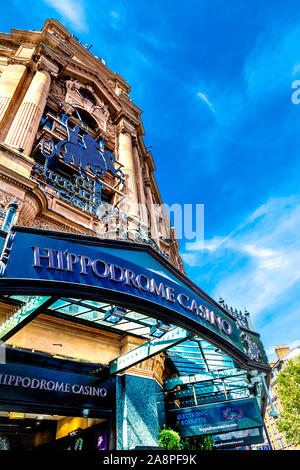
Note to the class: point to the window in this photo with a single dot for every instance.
(279, 443)
(87, 95)
(46, 121)
(87, 119)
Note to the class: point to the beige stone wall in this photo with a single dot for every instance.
(65, 339)
(34, 76)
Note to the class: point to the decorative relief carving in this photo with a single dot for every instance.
(43, 223)
(111, 83)
(75, 95)
(57, 33)
(27, 209)
(5, 199)
(110, 129)
(58, 90)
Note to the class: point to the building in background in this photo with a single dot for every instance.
(104, 333)
(276, 438)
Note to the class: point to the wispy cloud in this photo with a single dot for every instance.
(204, 98)
(114, 14)
(72, 12)
(273, 62)
(259, 261)
(271, 350)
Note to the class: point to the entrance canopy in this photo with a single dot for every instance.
(120, 285)
(204, 373)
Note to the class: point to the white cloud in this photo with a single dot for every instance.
(72, 11)
(114, 14)
(273, 62)
(204, 98)
(266, 253)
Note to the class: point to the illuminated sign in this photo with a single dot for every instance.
(89, 158)
(215, 418)
(37, 385)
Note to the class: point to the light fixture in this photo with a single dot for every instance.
(159, 329)
(253, 389)
(115, 314)
(16, 415)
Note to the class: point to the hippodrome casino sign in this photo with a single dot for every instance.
(36, 261)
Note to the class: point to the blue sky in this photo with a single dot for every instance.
(214, 79)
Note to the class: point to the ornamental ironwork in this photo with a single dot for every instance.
(83, 151)
(135, 234)
(250, 348)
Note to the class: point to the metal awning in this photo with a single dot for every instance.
(191, 358)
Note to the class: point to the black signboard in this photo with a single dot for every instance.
(49, 389)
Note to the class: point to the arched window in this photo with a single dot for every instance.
(87, 119)
(87, 95)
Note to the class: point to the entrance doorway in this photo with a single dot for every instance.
(33, 431)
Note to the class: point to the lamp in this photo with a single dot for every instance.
(115, 314)
(159, 329)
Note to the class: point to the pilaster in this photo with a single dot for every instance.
(142, 196)
(125, 156)
(150, 203)
(22, 132)
(10, 81)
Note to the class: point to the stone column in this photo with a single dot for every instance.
(151, 208)
(11, 79)
(142, 197)
(140, 411)
(25, 125)
(125, 156)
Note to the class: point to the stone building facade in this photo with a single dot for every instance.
(47, 76)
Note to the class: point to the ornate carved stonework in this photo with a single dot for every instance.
(111, 83)
(42, 223)
(28, 210)
(58, 90)
(5, 199)
(57, 33)
(110, 129)
(98, 109)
